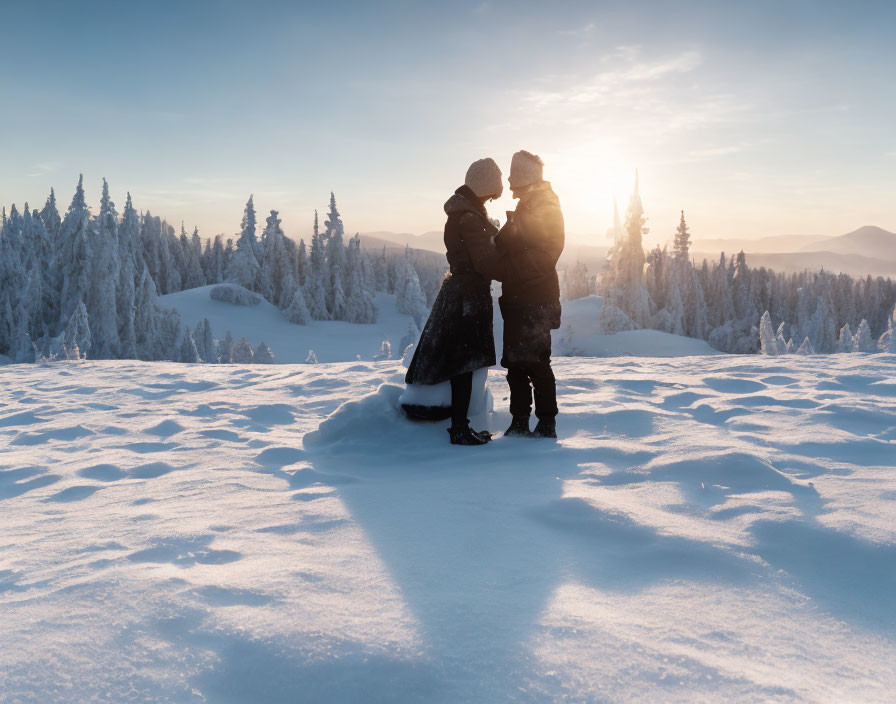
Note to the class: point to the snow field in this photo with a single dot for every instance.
(706, 529)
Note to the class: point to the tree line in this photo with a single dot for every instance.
(728, 303)
(88, 284)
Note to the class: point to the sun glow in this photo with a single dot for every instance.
(587, 179)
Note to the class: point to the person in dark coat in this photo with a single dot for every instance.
(529, 244)
(458, 337)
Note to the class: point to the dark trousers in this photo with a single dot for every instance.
(537, 378)
(461, 393)
(527, 356)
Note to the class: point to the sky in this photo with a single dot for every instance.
(757, 118)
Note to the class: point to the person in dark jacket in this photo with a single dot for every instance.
(458, 338)
(529, 244)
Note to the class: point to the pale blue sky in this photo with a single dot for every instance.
(756, 118)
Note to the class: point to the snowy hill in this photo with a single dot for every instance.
(331, 340)
(706, 529)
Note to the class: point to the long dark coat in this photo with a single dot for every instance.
(458, 336)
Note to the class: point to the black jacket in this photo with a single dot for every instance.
(458, 336)
(529, 246)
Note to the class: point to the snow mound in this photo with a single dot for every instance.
(370, 418)
(232, 293)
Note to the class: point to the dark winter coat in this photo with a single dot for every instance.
(529, 246)
(458, 336)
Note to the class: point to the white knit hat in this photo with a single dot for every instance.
(525, 169)
(484, 178)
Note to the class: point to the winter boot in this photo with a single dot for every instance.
(484, 434)
(519, 428)
(464, 435)
(545, 428)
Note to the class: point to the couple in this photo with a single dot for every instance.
(458, 338)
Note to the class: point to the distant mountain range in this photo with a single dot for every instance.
(870, 250)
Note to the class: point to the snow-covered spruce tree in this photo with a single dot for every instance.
(863, 341)
(225, 348)
(194, 276)
(74, 258)
(676, 308)
(188, 352)
(131, 262)
(337, 294)
(205, 343)
(627, 290)
(101, 299)
(781, 339)
(301, 262)
(76, 335)
(315, 289)
(768, 341)
(333, 224)
(682, 240)
(263, 354)
(806, 348)
(359, 306)
(311, 358)
(846, 343)
(243, 268)
(297, 312)
(277, 281)
(410, 299)
(242, 352)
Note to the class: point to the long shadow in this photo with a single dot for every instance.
(853, 579)
(478, 539)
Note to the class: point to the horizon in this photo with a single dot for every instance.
(757, 121)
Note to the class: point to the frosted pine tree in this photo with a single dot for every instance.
(225, 348)
(682, 240)
(242, 352)
(263, 354)
(194, 277)
(676, 309)
(188, 352)
(768, 341)
(277, 282)
(806, 348)
(628, 291)
(243, 268)
(863, 340)
(846, 343)
(128, 249)
(297, 312)
(205, 343)
(102, 299)
(77, 333)
(333, 224)
(410, 300)
(337, 295)
(74, 257)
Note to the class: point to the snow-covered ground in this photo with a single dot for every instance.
(706, 529)
(336, 341)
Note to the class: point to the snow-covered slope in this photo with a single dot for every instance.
(334, 341)
(331, 340)
(579, 336)
(706, 529)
